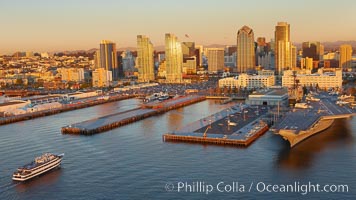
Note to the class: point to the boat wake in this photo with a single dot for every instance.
(8, 186)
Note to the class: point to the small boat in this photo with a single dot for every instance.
(40, 165)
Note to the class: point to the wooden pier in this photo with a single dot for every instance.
(116, 120)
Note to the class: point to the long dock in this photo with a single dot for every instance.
(116, 120)
(239, 125)
(64, 108)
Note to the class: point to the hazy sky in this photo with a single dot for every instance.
(49, 25)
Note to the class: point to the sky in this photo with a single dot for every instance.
(58, 25)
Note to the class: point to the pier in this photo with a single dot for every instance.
(239, 125)
(116, 120)
(64, 108)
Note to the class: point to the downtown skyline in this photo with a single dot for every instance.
(67, 25)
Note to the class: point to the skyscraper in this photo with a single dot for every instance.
(188, 49)
(145, 62)
(215, 59)
(282, 48)
(97, 61)
(345, 61)
(245, 50)
(174, 59)
(312, 50)
(108, 57)
(293, 56)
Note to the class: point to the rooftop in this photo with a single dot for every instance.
(271, 92)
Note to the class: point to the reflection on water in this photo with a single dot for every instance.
(43, 180)
(303, 155)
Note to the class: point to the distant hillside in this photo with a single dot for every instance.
(328, 46)
(336, 45)
(332, 45)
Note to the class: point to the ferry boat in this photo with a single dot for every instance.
(40, 165)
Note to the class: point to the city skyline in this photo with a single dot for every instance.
(67, 25)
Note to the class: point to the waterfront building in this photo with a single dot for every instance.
(272, 96)
(174, 59)
(108, 57)
(245, 50)
(324, 79)
(145, 61)
(101, 77)
(282, 48)
(345, 61)
(248, 81)
(215, 58)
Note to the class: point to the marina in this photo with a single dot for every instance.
(112, 121)
(239, 125)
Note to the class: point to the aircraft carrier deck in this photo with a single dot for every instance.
(299, 124)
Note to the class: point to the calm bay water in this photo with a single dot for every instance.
(132, 162)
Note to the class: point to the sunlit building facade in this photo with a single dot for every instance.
(215, 58)
(345, 61)
(145, 61)
(108, 57)
(245, 50)
(323, 79)
(282, 48)
(174, 59)
(101, 77)
(71, 74)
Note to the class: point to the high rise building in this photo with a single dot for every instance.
(199, 55)
(174, 59)
(144, 61)
(215, 59)
(345, 61)
(261, 41)
(190, 57)
(97, 61)
(188, 49)
(293, 57)
(245, 50)
(312, 50)
(108, 58)
(282, 48)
